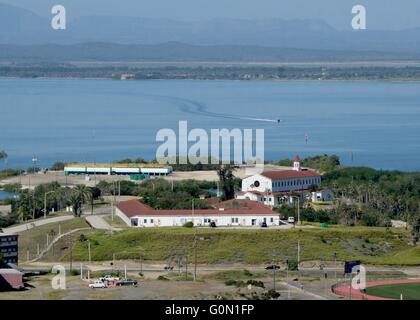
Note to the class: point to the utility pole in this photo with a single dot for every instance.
(298, 210)
(298, 253)
(186, 266)
(113, 202)
(274, 276)
(90, 258)
(335, 266)
(287, 279)
(45, 203)
(141, 264)
(119, 191)
(71, 252)
(195, 243)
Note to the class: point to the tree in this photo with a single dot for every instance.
(313, 188)
(227, 181)
(76, 203)
(58, 166)
(25, 205)
(83, 193)
(3, 155)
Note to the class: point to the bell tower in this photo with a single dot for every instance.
(296, 163)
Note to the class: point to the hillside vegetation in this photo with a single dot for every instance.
(371, 245)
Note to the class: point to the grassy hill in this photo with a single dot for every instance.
(371, 245)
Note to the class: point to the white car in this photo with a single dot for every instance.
(97, 285)
(109, 278)
(291, 220)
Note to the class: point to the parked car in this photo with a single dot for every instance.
(264, 225)
(169, 268)
(127, 282)
(213, 224)
(98, 284)
(291, 219)
(108, 278)
(272, 267)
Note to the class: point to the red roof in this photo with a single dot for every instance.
(135, 207)
(289, 174)
(297, 159)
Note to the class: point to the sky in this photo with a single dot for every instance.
(381, 14)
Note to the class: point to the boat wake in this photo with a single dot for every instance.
(194, 107)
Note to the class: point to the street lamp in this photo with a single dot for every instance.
(335, 265)
(287, 278)
(45, 203)
(298, 208)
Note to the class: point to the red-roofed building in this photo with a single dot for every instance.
(275, 187)
(227, 213)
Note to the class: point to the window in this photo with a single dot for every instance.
(271, 220)
(235, 220)
(151, 220)
(145, 220)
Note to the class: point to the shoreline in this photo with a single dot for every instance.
(390, 80)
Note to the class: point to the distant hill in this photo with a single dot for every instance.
(175, 51)
(22, 27)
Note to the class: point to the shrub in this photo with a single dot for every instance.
(188, 224)
(162, 278)
(248, 273)
(75, 273)
(256, 283)
(271, 294)
(293, 265)
(230, 282)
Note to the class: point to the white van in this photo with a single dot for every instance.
(291, 220)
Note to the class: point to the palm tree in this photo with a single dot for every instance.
(24, 205)
(76, 203)
(83, 193)
(3, 155)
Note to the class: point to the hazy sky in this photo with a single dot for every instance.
(382, 14)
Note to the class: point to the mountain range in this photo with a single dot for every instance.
(21, 28)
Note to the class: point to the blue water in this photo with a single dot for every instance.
(7, 195)
(375, 124)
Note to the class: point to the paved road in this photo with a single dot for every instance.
(36, 223)
(40, 222)
(98, 222)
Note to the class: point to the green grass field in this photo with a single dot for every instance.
(29, 240)
(410, 291)
(370, 245)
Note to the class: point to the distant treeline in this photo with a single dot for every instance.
(30, 70)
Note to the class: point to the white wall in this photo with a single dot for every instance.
(265, 183)
(278, 185)
(221, 221)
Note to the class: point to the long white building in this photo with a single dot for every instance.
(275, 187)
(227, 214)
(117, 169)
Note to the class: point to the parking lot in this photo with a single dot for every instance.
(169, 287)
